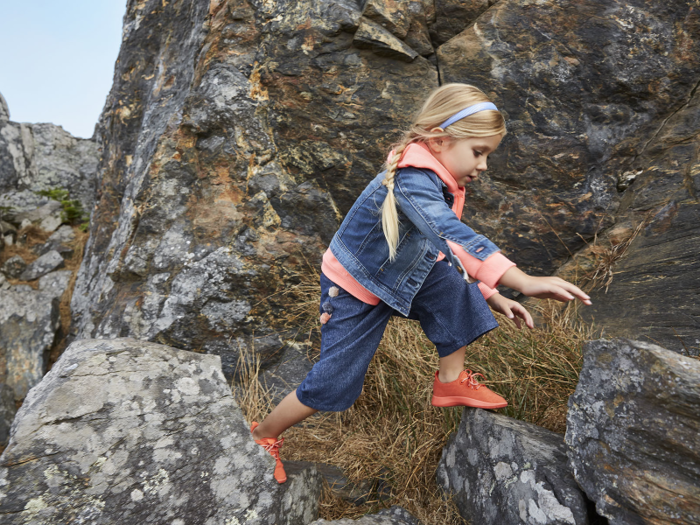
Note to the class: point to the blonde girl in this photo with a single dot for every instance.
(403, 250)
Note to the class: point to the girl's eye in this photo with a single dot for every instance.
(477, 153)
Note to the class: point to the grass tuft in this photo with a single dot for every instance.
(393, 433)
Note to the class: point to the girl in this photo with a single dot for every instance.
(403, 250)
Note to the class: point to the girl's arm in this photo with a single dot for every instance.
(543, 287)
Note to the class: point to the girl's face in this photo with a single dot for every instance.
(465, 159)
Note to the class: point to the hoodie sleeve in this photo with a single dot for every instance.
(489, 271)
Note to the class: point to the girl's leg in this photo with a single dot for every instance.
(452, 365)
(289, 412)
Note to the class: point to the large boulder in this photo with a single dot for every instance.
(504, 471)
(125, 431)
(29, 320)
(633, 432)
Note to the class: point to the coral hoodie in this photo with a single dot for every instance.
(488, 272)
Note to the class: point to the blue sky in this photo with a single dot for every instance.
(57, 59)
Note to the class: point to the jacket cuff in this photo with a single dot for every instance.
(493, 268)
(486, 291)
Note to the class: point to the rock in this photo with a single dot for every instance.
(29, 320)
(44, 211)
(392, 16)
(14, 266)
(652, 292)
(21, 201)
(36, 157)
(392, 516)
(7, 228)
(48, 262)
(584, 96)
(633, 432)
(51, 223)
(4, 110)
(355, 493)
(126, 431)
(3, 282)
(58, 241)
(453, 16)
(8, 409)
(501, 470)
(372, 36)
(284, 376)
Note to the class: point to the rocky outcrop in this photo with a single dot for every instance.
(254, 126)
(392, 516)
(586, 87)
(501, 470)
(647, 266)
(633, 432)
(36, 157)
(125, 431)
(29, 320)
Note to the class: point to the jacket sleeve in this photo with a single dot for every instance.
(419, 196)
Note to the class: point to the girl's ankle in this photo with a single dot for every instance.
(447, 376)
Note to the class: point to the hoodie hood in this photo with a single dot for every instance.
(418, 155)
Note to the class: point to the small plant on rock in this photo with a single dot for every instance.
(73, 211)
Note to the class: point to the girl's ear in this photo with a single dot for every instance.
(437, 144)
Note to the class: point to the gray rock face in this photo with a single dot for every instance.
(8, 409)
(586, 88)
(28, 322)
(392, 516)
(505, 471)
(126, 431)
(37, 157)
(633, 432)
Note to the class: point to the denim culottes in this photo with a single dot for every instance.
(452, 313)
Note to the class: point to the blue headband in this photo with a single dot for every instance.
(475, 108)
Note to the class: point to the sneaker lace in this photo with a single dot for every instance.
(471, 381)
(274, 448)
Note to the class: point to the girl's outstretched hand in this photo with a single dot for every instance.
(543, 287)
(513, 310)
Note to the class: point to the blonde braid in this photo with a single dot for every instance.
(390, 217)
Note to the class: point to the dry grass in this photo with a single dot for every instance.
(607, 253)
(393, 433)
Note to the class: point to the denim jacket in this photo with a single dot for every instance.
(426, 222)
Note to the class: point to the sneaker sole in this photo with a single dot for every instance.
(455, 401)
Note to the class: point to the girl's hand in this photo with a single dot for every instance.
(513, 310)
(543, 287)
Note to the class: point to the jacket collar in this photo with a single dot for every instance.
(418, 155)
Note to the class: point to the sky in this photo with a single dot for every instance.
(57, 59)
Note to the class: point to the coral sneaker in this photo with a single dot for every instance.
(465, 391)
(272, 445)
